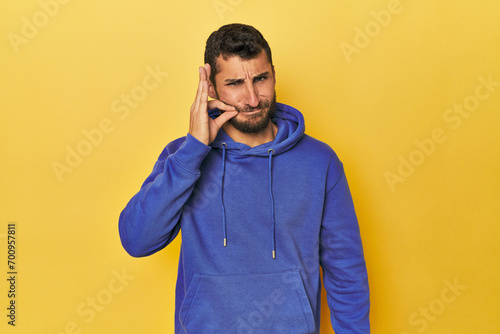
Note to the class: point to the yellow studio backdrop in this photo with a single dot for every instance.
(407, 92)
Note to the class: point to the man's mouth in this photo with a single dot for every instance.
(253, 111)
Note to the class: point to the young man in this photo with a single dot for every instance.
(261, 206)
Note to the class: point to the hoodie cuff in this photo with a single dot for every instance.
(191, 154)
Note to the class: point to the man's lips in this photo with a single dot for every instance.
(254, 111)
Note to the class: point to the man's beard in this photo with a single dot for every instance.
(255, 123)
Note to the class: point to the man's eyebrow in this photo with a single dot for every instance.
(264, 74)
(232, 80)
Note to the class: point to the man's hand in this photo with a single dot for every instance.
(201, 126)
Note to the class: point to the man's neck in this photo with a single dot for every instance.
(254, 139)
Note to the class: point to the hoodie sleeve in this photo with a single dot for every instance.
(150, 220)
(344, 270)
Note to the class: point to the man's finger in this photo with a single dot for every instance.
(197, 99)
(203, 72)
(208, 69)
(223, 118)
(204, 97)
(220, 105)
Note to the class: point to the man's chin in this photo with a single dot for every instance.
(252, 123)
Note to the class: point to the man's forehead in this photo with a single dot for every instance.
(233, 65)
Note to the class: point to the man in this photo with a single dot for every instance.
(261, 206)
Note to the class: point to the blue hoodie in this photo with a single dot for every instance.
(257, 223)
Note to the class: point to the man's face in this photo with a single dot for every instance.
(248, 85)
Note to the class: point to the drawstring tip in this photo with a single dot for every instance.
(274, 254)
(225, 242)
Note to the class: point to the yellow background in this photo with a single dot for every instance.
(438, 227)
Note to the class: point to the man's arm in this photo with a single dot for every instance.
(344, 270)
(150, 221)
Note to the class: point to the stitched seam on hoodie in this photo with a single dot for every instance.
(303, 311)
(184, 167)
(191, 302)
(342, 174)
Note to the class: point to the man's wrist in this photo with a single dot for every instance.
(191, 153)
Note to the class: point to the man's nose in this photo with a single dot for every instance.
(251, 98)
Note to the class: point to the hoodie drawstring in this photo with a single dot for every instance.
(270, 152)
(223, 145)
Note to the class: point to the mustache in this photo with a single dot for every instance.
(247, 108)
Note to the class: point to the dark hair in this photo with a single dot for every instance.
(234, 39)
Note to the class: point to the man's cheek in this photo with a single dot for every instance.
(229, 99)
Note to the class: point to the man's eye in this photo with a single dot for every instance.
(260, 79)
(235, 83)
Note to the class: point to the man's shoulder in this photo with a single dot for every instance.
(321, 153)
(317, 147)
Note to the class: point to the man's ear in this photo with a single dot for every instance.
(211, 90)
(274, 75)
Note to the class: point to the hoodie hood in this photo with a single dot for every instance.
(291, 128)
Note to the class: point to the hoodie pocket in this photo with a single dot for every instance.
(264, 303)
